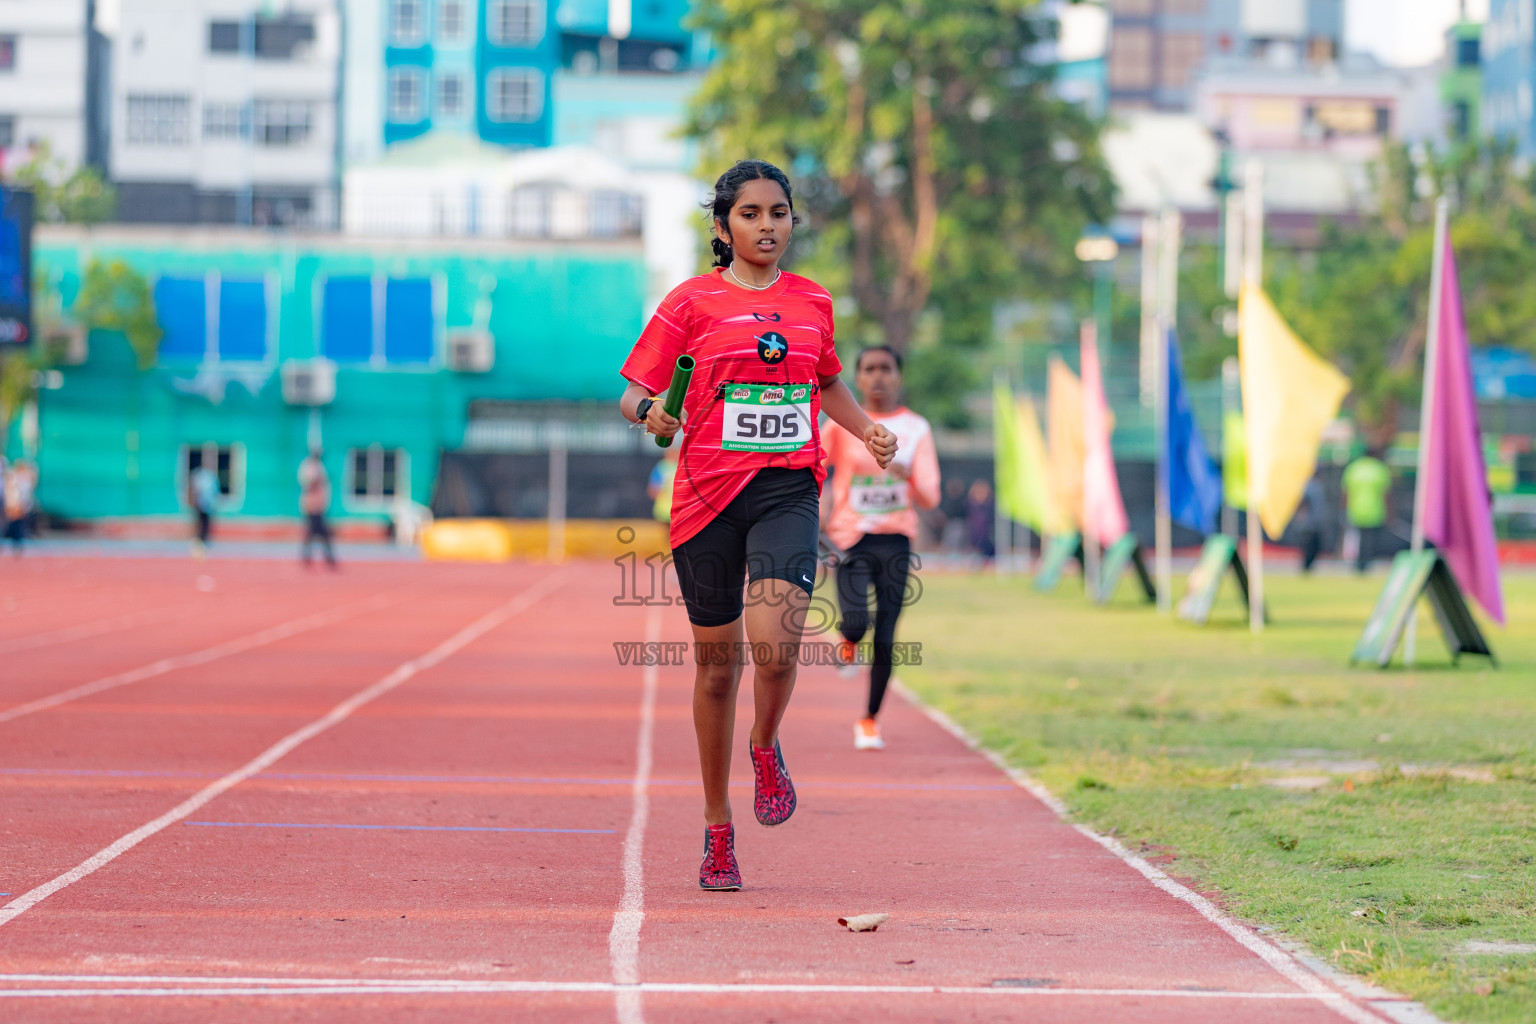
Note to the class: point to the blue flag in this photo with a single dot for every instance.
(1194, 487)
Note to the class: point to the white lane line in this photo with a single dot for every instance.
(624, 936)
(69, 985)
(236, 646)
(1283, 963)
(280, 749)
(88, 629)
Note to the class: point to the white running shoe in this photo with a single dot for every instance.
(847, 660)
(866, 735)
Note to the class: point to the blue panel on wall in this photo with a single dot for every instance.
(182, 307)
(408, 321)
(243, 320)
(346, 325)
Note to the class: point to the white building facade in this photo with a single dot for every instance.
(45, 79)
(225, 112)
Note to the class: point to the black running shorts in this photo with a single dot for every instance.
(767, 532)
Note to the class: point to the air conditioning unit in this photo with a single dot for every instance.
(309, 382)
(471, 351)
(67, 343)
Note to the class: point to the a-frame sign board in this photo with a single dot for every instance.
(1217, 557)
(1053, 564)
(1123, 552)
(1414, 575)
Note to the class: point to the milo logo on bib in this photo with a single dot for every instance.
(784, 426)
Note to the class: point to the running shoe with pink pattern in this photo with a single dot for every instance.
(719, 872)
(773, 797)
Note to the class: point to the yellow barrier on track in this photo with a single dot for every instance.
(502, 540)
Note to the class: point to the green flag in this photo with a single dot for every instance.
(1019, 462)
(1234, 461)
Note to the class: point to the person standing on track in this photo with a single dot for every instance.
(746, 495)
(869, 513)
(314, 500)
(203, 497)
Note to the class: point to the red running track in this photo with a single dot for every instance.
(411, 792)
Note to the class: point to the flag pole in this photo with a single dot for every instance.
(1169, 240)
(1253, 275)
(1089, 335)
(1150, 254)
(1426, 405)
(999, 517)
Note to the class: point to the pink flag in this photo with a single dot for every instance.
(1104, 518)
(1458, 509)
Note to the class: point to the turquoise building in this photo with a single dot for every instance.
(425, 341)
(488, 68)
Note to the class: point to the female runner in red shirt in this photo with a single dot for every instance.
(748, 480)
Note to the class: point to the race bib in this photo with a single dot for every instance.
(876, 495)
(766, 418)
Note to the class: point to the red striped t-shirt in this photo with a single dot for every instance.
(780, 335)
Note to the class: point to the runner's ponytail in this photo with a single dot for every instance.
(728, 190)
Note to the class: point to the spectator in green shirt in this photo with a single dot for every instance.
(1367, 482)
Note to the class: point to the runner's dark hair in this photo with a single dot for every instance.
(728, 190)
(867, 349)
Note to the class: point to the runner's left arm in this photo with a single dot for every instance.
(839, 404)
(924, 478)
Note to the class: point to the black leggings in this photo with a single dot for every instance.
(881, 560)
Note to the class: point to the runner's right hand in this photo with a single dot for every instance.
(659, 422)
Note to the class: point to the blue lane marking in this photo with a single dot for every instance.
(510, 780)
(399, 828)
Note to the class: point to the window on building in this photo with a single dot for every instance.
(614, 214)
(1461, 119)
(407, 22)
(377, 474)
(1467, 53)
(514, 95)
(242, 321)
(405, 106)
(351, 328)
(226, 121)
(1182, 54)
(224, 37)
(450, 20)
(7, 53)
(515, 22)
(229, 312)
(226, 460)
(7, 131)
(1383, 121)
(1130, 59)
(450, 95)
(285, 37)
(281, 122)
(158, 120)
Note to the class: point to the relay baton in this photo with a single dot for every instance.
(674, 400)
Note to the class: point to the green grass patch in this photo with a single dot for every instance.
(1384, 818)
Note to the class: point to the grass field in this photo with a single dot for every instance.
(1385, 819)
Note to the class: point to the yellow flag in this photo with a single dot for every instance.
(1290, 395)
(1064, 426)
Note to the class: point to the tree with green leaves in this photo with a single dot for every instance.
(78, 196)
(937, 170)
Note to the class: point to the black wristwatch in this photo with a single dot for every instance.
(643, 409)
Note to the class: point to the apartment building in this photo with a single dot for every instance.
(50, 59)
(226, 112)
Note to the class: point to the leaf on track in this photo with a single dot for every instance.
(864, 922)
